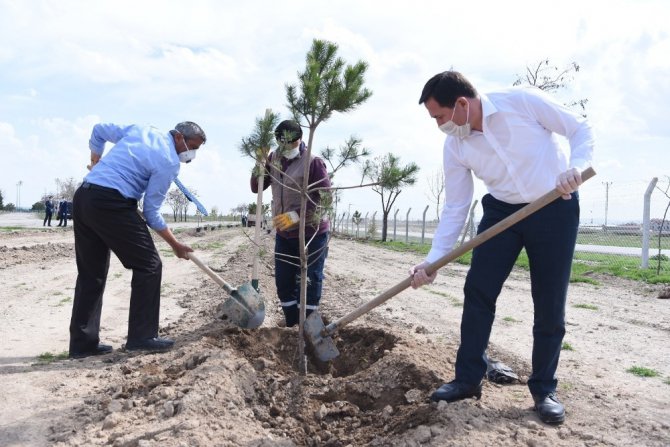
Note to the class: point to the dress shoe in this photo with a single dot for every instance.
(549, 409)
(98, 350)
(453, 391)
(155, 344)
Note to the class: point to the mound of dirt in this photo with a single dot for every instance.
(226, 386)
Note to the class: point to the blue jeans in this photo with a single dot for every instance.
(549, 237)
(287, 274)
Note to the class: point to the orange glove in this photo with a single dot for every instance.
(286, 221)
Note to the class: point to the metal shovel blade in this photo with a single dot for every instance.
(244, 308)
(323, 345)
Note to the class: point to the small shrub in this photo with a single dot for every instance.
(567, 346)
(510, 319)
(641, 371)
(47, 357)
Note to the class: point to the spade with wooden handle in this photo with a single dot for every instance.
(319, 336)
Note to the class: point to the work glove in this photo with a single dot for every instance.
(286, 221)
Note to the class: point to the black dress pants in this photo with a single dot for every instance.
(105, 221)
(549, 237)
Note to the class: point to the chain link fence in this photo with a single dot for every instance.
(627, 227)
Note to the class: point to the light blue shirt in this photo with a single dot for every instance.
(143, 160)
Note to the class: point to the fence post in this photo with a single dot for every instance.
(646, 222)
(423, 224)
(342, 221)
(365, 222)
(395, 216)
(407, 226)
(373, 223)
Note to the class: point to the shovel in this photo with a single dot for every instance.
(245, 307)
(319, 336)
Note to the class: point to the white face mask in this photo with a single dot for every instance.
(187, 156)
(291, 154)
(450, 128)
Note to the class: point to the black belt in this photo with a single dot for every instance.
(87, 185)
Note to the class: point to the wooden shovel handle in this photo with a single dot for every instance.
(444, 260)
(220, 281)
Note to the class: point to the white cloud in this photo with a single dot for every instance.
(71, 63)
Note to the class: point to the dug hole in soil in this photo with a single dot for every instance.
(225, 386)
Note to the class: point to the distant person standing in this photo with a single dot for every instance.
(49, 210)
(62, 213)
(143, 163)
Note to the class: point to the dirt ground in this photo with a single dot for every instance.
(223, 386)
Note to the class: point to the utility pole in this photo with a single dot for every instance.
(18, 194)
(607, 199)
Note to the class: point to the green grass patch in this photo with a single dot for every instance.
(667, 381)
(511, 320)
(567, 346)
(585, 306)
(11, 228)
(584, 264)
(453, 300)
(65, 301)
(611, 239)
(641, 371)
(47, 357)
(566, 386)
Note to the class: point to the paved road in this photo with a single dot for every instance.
(33, 220)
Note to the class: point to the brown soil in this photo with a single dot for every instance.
(224, 386)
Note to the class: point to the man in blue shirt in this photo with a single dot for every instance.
(142, 162)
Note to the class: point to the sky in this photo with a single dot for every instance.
(67, 65)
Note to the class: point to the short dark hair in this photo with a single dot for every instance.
(189, 130)
(446, 88)
(288, 131)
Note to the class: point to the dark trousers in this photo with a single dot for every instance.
(103, 221)
(549, 237)
(47, 218)
(287, 274)
(62, 221)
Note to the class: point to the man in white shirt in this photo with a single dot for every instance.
(507, 139)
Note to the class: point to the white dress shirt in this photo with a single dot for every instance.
(517, 156)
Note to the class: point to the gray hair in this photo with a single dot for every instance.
(190, 130)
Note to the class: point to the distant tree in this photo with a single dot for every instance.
(241, 208)
(390, 177)
(38, 206)
(10, 207)
(351, 152)
(436, 188)
(66, 188)
(549, 77)
(2, 206)
(176, 200)
(356, 219)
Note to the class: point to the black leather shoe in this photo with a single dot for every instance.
(155, 344)
(549, 409)
(99, 350)
(453, 391)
